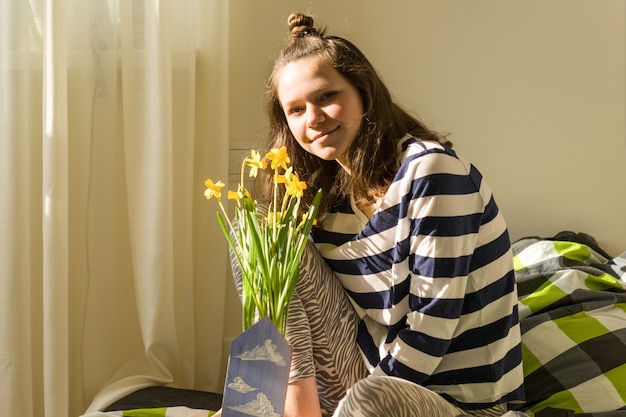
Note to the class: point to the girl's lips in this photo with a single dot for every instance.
(321, 135)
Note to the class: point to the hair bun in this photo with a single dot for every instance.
(301, 25)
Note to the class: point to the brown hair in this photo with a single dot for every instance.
(372, 157)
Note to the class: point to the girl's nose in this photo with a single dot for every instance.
(315, 116)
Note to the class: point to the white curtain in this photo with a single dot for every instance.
(112, 113)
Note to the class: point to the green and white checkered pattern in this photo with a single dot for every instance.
(572, 303)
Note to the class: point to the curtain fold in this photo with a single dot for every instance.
(110, 278)
(55, 216)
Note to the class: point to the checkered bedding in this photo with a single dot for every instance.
(572, 304)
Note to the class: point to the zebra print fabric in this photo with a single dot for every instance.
(322, 327)
(395, 397)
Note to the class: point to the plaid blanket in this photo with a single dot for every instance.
(572, 304)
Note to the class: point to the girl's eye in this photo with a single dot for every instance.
(328, 95)
(296, 110)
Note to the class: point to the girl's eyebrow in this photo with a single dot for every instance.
(324, 88)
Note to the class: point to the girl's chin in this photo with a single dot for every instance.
(327, 154)
(327, 157)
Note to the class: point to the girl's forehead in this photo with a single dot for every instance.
(306, 63)
(303, 74)
(307, 69)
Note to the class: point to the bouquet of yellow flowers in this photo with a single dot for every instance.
(268, 244)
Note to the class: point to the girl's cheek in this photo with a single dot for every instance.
(296, 129)
(291, 127)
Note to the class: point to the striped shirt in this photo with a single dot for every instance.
(432, 272)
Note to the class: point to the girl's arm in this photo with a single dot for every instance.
(302, 400)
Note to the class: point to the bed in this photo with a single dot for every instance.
(572, 305)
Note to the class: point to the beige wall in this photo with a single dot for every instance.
(531, 91)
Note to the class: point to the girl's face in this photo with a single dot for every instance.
(324, 110)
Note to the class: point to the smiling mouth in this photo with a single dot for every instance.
(321, 135)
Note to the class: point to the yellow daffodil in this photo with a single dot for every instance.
(213, 189)
(255, 163)
(233, 195)
(304, 219)
(272, 217)
(282, 179)
(295, 186)
(279, 157)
